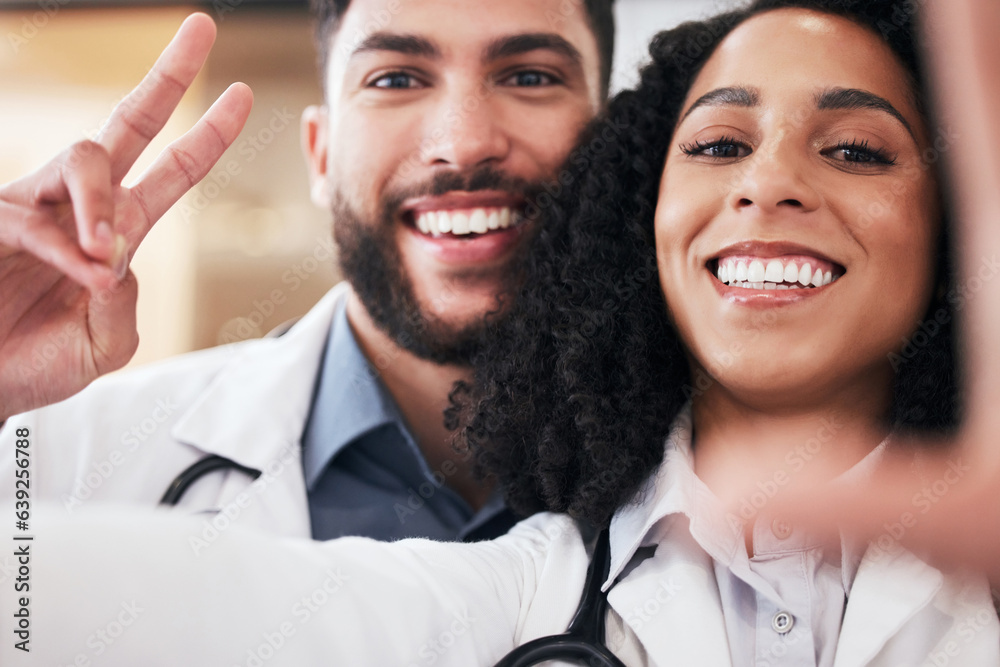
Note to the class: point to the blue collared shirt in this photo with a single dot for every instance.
(363, 470)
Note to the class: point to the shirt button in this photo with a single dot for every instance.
(782, 622)
(781, 529)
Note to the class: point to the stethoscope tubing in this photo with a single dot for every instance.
(584, 640)
(193, 473)
(560, 647)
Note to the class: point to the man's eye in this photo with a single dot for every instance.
(722, 149)
(395, 80)
(530, 79)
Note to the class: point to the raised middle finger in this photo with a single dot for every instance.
(143, 113)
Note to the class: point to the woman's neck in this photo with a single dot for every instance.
(739, 445)
(752, 451)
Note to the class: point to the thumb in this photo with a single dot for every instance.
(112, 324)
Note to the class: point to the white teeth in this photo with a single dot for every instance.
(459, 224)
(775, 271)
(462, 223)
(805, 274)
(771, 274)
(444, 223)
(478, 223)
(741, 271)
(791, 274)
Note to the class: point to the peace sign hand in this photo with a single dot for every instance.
(67, 231)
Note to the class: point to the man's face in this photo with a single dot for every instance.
(442, 118)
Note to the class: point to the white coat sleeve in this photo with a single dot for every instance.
(126, 588)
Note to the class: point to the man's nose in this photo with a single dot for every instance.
(465, 130)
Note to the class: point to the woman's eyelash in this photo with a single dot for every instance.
(699, 147)
(862, 152)
(854, 151)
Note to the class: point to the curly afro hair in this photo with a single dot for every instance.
(577, 386)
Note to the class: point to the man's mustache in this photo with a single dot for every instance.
(480, 179)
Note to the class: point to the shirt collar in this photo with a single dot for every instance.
(675, 489)
(350, 400)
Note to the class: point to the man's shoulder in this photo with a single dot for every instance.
(183, 378)
(175, 382)
(197, 368)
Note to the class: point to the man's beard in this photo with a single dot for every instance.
(370, 261)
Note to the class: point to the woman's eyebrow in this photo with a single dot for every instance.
(736, 96)
(852, 98)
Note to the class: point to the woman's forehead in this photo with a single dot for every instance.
(798, 52)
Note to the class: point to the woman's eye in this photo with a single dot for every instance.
(395, 80)
(720, 149)
(860, 153)
(529, 79)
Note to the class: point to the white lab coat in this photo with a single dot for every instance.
(118, 588)
(128, 435)
(124, 590)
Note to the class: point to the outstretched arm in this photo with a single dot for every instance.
(949, 507)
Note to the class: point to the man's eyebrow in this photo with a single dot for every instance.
(852, 98)
(513, 45)
(736, 96)
(410, 45)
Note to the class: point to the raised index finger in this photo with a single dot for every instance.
(143, 113)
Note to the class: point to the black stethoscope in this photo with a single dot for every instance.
(583, 642)
(193, 473)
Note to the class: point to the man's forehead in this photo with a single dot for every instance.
(460, 25)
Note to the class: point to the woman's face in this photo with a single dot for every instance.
(796, 172)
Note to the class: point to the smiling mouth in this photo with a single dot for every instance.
(468, 223)
(775, 273)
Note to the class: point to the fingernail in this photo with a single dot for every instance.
(103, 234)
(119, 260)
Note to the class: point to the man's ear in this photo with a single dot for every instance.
(314, 144)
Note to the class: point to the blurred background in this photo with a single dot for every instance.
(245, 250)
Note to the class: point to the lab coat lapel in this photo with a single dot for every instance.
(671, 602)
(888, 591)
(254, 413)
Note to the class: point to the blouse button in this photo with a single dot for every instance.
(782, 622)
(781, 529)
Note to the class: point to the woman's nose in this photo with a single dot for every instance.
(775, 178)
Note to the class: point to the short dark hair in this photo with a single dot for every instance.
(576, 387)
(328, 13)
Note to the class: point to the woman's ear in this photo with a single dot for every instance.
(314, 145)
